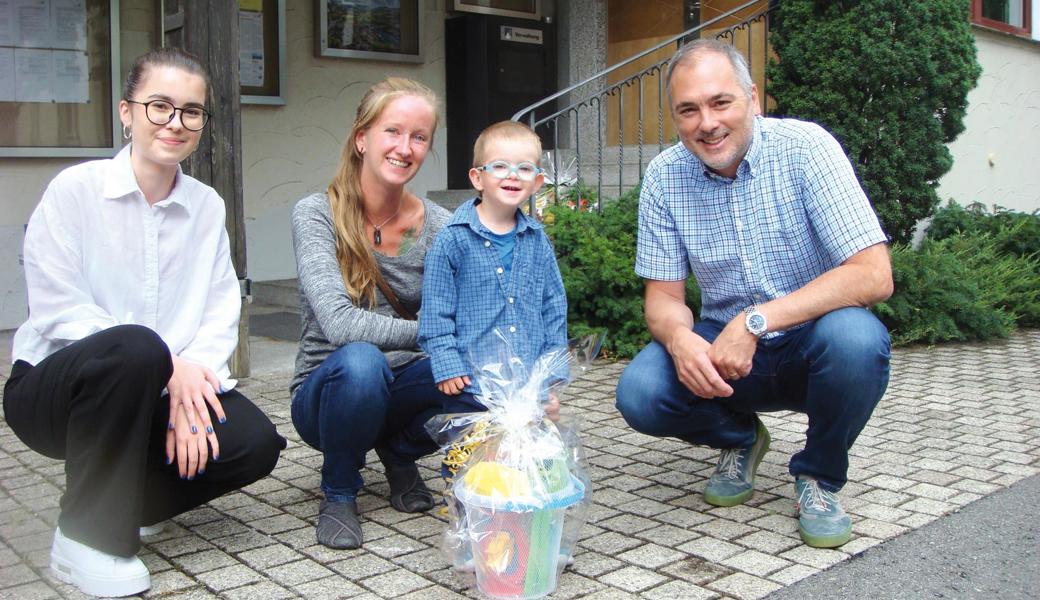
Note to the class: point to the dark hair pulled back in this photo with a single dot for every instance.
(162, 57)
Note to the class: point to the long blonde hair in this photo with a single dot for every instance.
(356, 261)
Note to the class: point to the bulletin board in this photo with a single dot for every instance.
(59, 77)
(261, 51)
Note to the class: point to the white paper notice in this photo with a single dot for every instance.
(251, 48)
(71, 78)
(6, 74)
(8, 34)
(33, 23)
(33, 75)
(69, 23)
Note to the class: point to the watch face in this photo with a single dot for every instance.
(756, 323)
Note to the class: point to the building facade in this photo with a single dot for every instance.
(290, 150)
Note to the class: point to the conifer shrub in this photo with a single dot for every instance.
(890, 80)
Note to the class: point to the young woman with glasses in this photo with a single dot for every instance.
(121, 369)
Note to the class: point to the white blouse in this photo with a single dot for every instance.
(97, 255)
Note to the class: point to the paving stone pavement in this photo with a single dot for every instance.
(958, 422)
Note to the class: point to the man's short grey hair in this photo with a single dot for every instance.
(691, 51)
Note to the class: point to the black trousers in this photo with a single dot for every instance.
(98, 405)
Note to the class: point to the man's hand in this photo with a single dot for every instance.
(189, 449)
(191, 387)
(694, 367)
(732, 351)
(453, 386)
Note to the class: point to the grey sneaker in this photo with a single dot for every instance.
(821, 521)
(733, 482)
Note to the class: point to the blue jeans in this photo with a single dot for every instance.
(834, 369)
(354, 402)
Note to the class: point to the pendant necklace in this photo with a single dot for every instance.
(377, 235)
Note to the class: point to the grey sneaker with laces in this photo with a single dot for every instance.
(822, 522)
(733, 482)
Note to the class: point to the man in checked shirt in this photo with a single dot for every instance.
(769, 217)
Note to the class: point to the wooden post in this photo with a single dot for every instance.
(209, 30)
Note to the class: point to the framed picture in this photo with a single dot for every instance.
(261, 51)
(371, 29)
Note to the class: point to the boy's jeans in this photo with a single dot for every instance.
(834, 369)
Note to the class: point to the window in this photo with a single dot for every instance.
(1011, 16)
(58, 62)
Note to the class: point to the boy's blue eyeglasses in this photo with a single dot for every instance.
(501, 169)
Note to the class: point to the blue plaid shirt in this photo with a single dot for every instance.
(466, 296)
(794, 211)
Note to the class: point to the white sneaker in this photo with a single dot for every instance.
(95, 572)
(148, 530)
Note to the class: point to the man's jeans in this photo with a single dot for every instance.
(834, 369)
(353, 402)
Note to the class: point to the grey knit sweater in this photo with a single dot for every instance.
(330, 318)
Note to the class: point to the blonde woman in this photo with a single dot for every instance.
(361, 381)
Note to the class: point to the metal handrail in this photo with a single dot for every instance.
(596, 100)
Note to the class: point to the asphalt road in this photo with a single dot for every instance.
(990, 549)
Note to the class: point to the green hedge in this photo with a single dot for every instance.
(1015, 233)
(597, 253)
(975, 277)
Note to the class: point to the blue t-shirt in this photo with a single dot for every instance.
(504, 243)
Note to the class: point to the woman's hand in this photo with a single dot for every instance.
(189, 448)
(453, 386)
(191, 387)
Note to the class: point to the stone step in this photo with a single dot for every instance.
(450, 199)
(278, 294)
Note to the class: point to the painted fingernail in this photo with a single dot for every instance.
(223, 419)
(209, 429)
(169, 461)
(201, 472)
(215, 458)
(171, 425)
(184, 476)
(191, 477)
(194, 429)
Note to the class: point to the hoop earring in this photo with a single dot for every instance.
(127, 134)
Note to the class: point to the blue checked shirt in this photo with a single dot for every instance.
(466, 296)
(794, 211)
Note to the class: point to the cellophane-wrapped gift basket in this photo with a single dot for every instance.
(520, 492)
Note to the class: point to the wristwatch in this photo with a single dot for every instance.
(755, 321)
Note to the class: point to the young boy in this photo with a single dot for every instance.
(492, 267)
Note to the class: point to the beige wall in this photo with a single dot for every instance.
(996, 159)
(291, 151)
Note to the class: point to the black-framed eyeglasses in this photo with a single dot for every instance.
(501, 169)
(161, 112)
